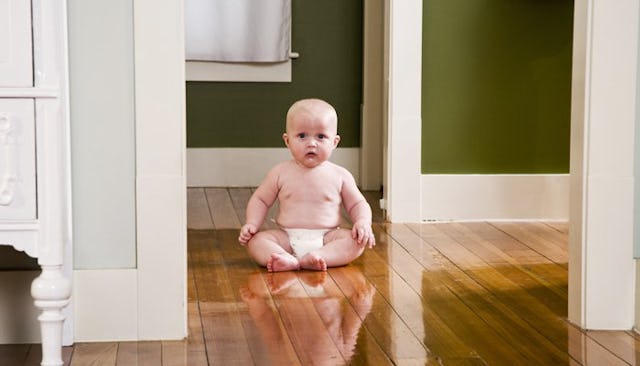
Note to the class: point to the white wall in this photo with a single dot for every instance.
(102, 131)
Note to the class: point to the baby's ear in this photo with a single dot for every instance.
(285, 138)
(336, 140)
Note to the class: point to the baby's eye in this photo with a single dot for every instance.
(322, 136)
(302, 135)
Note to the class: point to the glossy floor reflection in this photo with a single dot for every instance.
(325, 321)
(441, 294)
(455, 293)
(483, 293)
(279, 318)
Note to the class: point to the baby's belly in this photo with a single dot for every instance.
(308, 220)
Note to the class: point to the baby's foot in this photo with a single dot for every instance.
(246, 294)
(257, 306)
(282, 262)
(313, 262)
(279, 283)
(313, 278)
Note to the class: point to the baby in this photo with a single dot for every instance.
(310, 190)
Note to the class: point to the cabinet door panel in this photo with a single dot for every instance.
(16, 63)
(17, 160)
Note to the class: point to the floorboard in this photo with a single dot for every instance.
(525, 235)
(198, 214)
(222, 211)
(13, 353)
(95, 354)
(625, 345)
(466, 308)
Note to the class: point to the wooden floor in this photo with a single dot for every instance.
(485, 293)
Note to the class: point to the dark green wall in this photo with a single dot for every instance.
(328, 36)
(496, 86)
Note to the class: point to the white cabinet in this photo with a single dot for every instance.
(17, 160)
(15, 44)
(35, 209)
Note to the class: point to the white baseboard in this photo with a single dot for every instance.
(246, 167)
(495, 197)
(106, 305)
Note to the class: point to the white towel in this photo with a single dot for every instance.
(237, 30)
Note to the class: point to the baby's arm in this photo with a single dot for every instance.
(259, 205)
(361, 232)
(359, 211)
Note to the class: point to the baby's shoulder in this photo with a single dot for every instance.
(284, 167)
(274, 174)
(281, 172)
(339, 171)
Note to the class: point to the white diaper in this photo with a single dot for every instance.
(305, 240)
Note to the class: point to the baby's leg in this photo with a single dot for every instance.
(271, 249)
(339, 249)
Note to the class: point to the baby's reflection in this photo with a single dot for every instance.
(320, 320)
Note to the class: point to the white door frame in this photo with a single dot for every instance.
(402, 145)
(160, 169)
(603, 115)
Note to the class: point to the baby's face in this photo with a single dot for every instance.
(311, 138)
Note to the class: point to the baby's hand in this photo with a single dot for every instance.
(246, 233)
(363, 235)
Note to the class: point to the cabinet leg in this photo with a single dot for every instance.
(51, 292)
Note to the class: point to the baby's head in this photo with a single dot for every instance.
(316, 109)
(311, 134)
